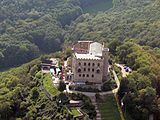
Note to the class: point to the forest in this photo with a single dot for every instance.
(125, 21)
(30, 28)
(140, 90)
(22, 97)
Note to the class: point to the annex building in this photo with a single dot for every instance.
(90, 62)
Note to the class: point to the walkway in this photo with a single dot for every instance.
(124, 73)
(91, 95)
(98, 116)
(101, 93)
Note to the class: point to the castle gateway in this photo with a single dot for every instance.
(90, 62)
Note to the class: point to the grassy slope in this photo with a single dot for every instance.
(75, 112)
(109, 109)
(48, 84)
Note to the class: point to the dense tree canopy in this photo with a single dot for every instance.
(31, 27)
(141, 89)
(28, 28)
(136, 20)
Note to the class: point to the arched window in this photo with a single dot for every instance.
(79, 75)
(84, 64)
(93, 70)
(79, 64)
(79, 70)
(98, 71)
(89, 64)
(92, 76)
(88, 69)
(84, 69)
(98, 64)
(83, 75)
(93, 64)
(87, 75)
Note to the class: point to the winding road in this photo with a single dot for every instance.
(91, 95)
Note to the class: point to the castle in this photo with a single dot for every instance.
(90, 62)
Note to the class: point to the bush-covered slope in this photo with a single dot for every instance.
(23, 97)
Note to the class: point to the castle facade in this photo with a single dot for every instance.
(90, 62)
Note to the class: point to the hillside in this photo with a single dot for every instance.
(131, 30)
(126, 21)
(22, 96)
(32, 27)
(29, 28)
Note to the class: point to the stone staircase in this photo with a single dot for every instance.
(98, 116)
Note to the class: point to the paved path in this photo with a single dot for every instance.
(124, 73)
(101, 93)
(93, 99)
(91, 95)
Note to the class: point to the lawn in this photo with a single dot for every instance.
(101, 6)
(48, 84)
(109, 109)
(75, 112)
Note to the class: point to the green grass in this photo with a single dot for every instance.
(75, 112)
(48, 84)
(100, 6)
(109, 109)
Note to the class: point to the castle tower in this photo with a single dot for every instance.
(105, 64)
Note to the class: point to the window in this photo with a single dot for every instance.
(87, 75)
(93, 70)
(98, 71)
(98, 64)
(93, 64)
(89, 64)
(83, 75)
(92, 76)
(84, 64)
(79, 64)
(79, 75)
(84, 69)
(79, 70)
(88, 69)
